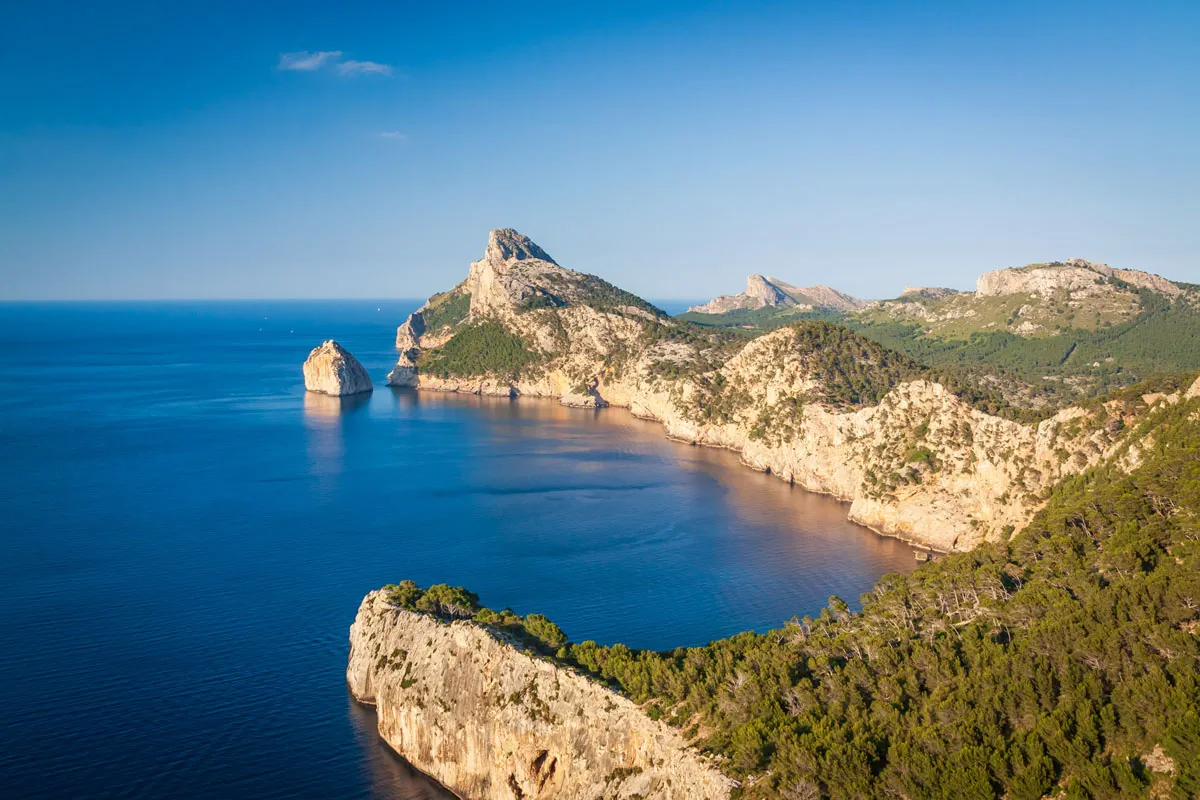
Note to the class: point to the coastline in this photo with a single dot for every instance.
(514, 394)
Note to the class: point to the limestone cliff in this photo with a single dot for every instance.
(330, 369)
(491, 721)
(912, 458)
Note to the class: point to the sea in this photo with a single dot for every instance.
(186, 534)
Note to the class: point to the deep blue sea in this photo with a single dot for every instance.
(186, 535)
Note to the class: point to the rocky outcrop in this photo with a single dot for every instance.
(513, 269)
(764, 291)
(491, 721)
(920, 464)
(330, 369)
(408, 341)
(1077, 277)
(1193, 390)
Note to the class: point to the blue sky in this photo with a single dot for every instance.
(209, 149)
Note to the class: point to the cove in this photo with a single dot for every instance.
(188, 534)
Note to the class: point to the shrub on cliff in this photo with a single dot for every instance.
(448, 601)
(545, 631)
(440, 599)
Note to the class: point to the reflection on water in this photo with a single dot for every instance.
(323, 407)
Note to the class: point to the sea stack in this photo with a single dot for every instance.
(331, 370)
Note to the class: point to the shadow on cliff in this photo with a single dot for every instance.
(392, 778)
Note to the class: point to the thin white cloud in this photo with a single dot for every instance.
(304, 61)
(350, 67)
(395, 136)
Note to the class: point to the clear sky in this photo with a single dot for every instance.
(204, 149)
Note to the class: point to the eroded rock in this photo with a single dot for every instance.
(330, 369)
(492, 722)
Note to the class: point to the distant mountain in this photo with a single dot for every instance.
(1034, 300)
(1044, 334)
(762, 291)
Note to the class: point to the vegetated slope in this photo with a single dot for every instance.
(1065, 659)
(1163, 338)
(1046, 334)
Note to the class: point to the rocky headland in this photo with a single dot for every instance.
(491, 720)
(330, 369)
(811, 403)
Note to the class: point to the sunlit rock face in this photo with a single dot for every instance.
(492, 722)
(330, 369)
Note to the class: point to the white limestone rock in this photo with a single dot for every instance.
(330, 369)
(493, 722)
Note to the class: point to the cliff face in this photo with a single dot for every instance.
(918, 463)
(492, 722)
(921, 464)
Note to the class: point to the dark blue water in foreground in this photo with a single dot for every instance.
(186, 536)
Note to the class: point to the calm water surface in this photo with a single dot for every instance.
(187, 534)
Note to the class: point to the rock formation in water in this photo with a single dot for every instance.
(330, 369)
(491, 721)
(762, 291)
(811, 403)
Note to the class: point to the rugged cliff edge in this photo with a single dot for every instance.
(491, 721)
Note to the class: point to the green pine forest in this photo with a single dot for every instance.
(1064, 662)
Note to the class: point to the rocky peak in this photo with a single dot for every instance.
(766, 291)
(762, 291)
(506, 243)
(512, 269)
(823, 296)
